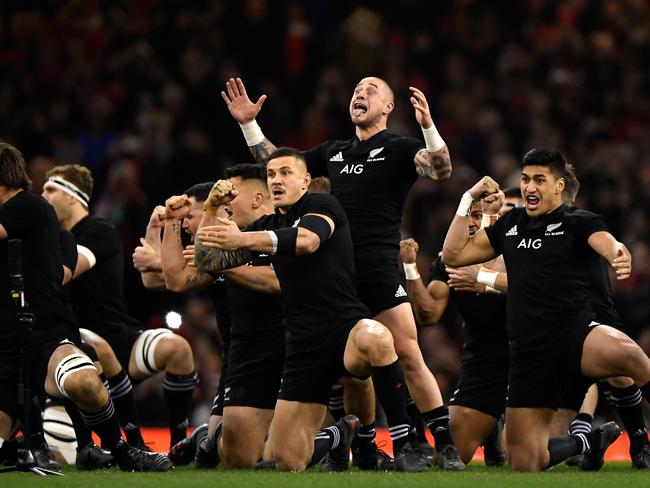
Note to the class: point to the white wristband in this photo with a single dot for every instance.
(465, 205)
(489, 289)
(252, 133)
(274, 242)
(432, 139)
(411, 271)
(487, 277)
(488, 220)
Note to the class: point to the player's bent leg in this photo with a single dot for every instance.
(469, 428)
(71, 374)
(242, 439)
(620, 382)
(298, 423)
(528, 436)
(608, 352)
(422, 385)
(561, 421)
(6, 425)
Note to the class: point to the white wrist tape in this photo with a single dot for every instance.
(252, 133)
(488, 220)
(432, 139)
(489, 289)
(274, 242)
(411, 271)
(465, 205)
(487, 277)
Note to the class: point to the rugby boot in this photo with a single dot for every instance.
(449, 460)
(338, 459)
(600, 439)
(133, 459)
(411, 459)
(184, 452)
(91, 457)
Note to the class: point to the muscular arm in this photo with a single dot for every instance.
(435, 165)
(262, 151)
(177, 275)
(261, 279)
(428, 303)
(616, 254)
(459, 250)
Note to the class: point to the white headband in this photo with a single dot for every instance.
(69, 188)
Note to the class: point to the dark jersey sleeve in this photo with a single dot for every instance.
(260, 224)
(317, 160)
(102, 240)
(322, 203)
(409, 147)
(437, 271)
(496, 233)
(588, 223)
(23, 217)
(68, 249)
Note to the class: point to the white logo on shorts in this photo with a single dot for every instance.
(400, 292)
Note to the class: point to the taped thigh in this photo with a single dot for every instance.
(145, 348)
(70, 365)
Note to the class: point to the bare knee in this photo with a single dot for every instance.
(376, 341)
(523, 458)
(620, 382)
(289, 461)
(174, 353)
(84, 387)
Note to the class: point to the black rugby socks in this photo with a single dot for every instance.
(390, 388)
(581, 424)
(417, 422)
(81, 430)
(336, 405)
(178, 391)
(326, 439)
(438, 422)
(104, 422)
(627, 402)
(561, 448)
(121, 391)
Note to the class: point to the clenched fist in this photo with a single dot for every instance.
(177, 207)
(408, 250)
(223, 191)
(485, 186)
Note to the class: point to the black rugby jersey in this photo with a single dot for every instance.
(371, 179)
(317, 289)
(548, 264)
(484, 317)
(31, 219)
(97, 295)
(218, 293)
(68, 249)
(254, 315)
(601, 290)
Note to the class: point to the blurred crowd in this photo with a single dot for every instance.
(132, 90)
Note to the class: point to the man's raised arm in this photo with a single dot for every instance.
(434, 161)
(244, 111)
(458, 249)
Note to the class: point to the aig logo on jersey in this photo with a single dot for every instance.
(357, 169)
(530, 243)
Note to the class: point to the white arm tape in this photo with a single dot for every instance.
(432, 139)
(465, 205)
(487, 277)
(488, 220)
(274, 241)
(411, 271)
(88, 254)
(252, 133)
(489, 289)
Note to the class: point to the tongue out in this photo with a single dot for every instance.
(358, 112)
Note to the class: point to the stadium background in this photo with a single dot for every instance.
(131, 89)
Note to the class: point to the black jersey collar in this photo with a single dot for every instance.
(377, 137)
(295, 205)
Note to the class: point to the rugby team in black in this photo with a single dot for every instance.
(316, 298)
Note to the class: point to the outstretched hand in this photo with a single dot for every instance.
(239, 105)
(224, 235)
(421, 106)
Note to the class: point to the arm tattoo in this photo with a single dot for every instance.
(434, 165)
(192, 279)
(211, 260)
(262, 151)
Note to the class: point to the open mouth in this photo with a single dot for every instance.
(277, 192)
(532, 202)
(228, 211)
(359, 109)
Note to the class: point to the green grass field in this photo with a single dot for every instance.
(477, 476)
